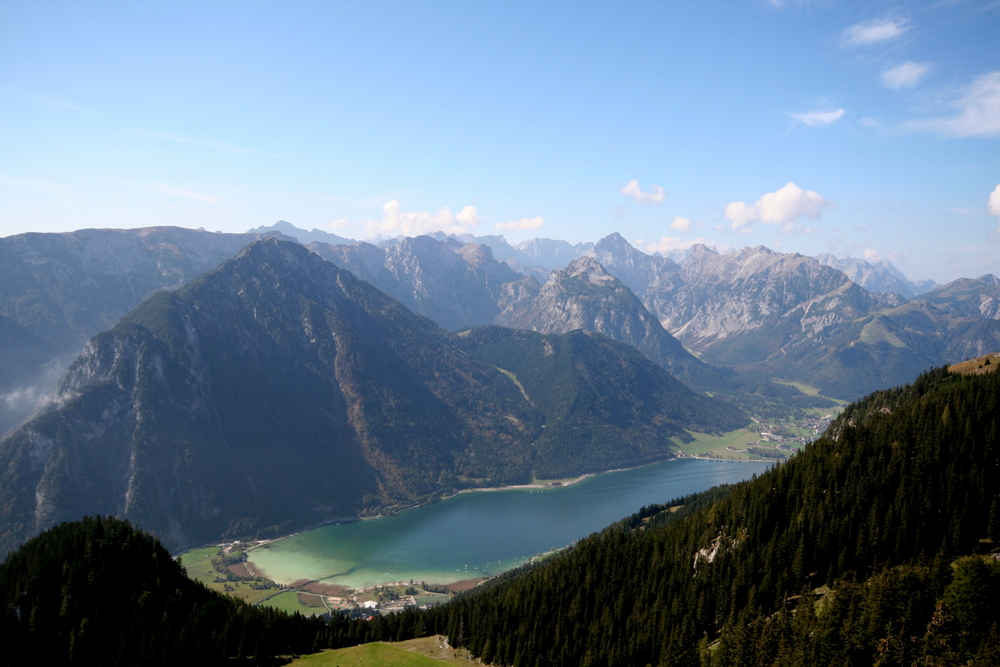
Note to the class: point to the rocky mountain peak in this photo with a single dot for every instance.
(586, 268)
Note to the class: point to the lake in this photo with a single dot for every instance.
(483, 533)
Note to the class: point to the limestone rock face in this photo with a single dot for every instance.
(877, 276)
(457, 286)
(586, 296)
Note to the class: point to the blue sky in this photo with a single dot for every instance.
(858, 128)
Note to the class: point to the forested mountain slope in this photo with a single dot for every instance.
(859, 535)
(99, 592)
(600, 397)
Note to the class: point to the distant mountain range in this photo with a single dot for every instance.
(279, 390)
(772, 314)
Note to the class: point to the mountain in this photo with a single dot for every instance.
(100, 592)
(585, 296)
(967, 297)
(601, 398)
(874, 545)
(67, 287)
(289, 231)
(457, 286)
(279, 390)
(633, 267)
(60, 289)
(876, 276)
(550, 253)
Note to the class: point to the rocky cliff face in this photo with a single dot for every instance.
(273, 392)
(636, 269)
(67, 287)
(60, 289)
(792, 317)
(876, 276)
(585, 296)
(456, 286)
(968, 297)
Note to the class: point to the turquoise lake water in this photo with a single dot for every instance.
(484, 533)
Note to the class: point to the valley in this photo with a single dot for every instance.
(469, 536)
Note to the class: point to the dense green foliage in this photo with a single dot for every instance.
(904, 483)
(99, 592)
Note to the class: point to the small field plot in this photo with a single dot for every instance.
(290, 602)
(425, 652)
(715, 446)
(198, 564)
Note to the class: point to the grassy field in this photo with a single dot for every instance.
(425, 652)
(199, 566)
(978, 365)
(710, 445)
(289, 602)
(804, 388)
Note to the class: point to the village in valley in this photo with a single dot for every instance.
(764, 440)
(225, 568)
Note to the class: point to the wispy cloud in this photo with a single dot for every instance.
(817, 118)
(875, 31)
(978, 111)
(188, 194)
(906, 75)
(46, 100)
(166, 136)
(523, 224)
(56, 189)
(635, 193)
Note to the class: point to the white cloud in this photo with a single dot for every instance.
(897, 256)
(522, 224)
(635, 193)
(669, 244)
(422, 222)
(682, 225)
(187, 194)
(872, 32)
(789, 203)
(339, 223)
(817, 118)
(741, 215)
(906, 75)
(870, 254)
(978, 111)
(994, 204)
(783, 207)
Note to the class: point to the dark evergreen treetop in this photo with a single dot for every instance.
(100, 592)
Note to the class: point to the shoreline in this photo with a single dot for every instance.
(548, 486)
